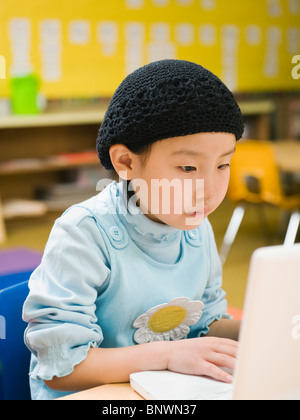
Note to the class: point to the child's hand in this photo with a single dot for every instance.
(204, 357)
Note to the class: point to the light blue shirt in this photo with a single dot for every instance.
(106, 278)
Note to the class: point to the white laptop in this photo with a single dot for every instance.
(268, 365)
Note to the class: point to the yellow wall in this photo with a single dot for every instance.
(249, 43)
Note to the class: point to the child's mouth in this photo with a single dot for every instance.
(200, 213)
(196, 214)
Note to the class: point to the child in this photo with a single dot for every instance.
(129, 282)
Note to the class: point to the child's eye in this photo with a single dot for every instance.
(223, 167)
(188, 168)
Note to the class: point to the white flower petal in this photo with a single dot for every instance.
(192, 319)
(141, 336)
(152, 311)
(158, 337)
(182, 301)
(140, 321)
(196, 306)
(180, 332)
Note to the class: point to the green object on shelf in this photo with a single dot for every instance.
(24, 94)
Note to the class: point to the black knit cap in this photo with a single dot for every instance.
(166, 99)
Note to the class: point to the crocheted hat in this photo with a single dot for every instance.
(166, 99)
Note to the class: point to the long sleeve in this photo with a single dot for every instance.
(214, 297)
(60, 308)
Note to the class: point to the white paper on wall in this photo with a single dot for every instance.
(135, 32)
(108, 36)
(208, 4)
(19, 28)
(133, 58)
(50, 31)
(253, 35)
(160, 46)
(160, 3)
(185, 2)
(51, 49)
(274, 8)
(20, 39)
(273, 42)
(230, 35)
(156, 51)
(294, 7)
(134, 4)
(293, 40)
(185, 34)
(134, 49)
(208, 35)
(160, 32)
(79, 32)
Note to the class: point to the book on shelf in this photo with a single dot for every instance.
(88, 157)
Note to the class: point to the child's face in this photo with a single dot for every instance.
(181, 201)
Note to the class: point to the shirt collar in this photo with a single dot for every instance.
(137, 224)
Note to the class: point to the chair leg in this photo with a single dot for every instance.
(292, 230)
(2, 225)
(231, 232)
(284, 218)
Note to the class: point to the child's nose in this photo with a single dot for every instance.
(208, 189)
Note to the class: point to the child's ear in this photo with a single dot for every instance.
(123, 161)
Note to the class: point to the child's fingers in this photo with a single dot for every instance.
(225, 342)
(223, 346)
(213, 371)
(228, 350)
(223, 360)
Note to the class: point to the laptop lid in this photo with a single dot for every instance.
(269, 356)
(268, 365)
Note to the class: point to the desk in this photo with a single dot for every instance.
(288, 156)
(106, 392)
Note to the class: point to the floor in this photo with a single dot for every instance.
(33, 233)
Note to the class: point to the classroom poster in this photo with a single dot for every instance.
(86, 47)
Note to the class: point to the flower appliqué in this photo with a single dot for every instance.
(169, 321)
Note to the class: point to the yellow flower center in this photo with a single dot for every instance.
(167, 319)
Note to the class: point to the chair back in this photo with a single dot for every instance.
(255, 176)
(14, 355)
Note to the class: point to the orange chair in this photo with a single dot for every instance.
(255, 179)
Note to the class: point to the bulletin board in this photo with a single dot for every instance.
(85, 48)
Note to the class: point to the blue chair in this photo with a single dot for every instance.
(14, 278)
(14, 355)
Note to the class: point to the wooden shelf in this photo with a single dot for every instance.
(258, 114)
(257, 107)
(95, 116)
(35, 152)
(48, 119)
(53, 163)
